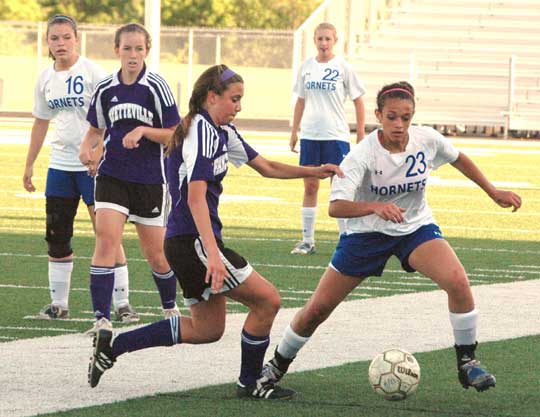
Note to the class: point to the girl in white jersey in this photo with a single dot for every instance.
(382, 196)
(63, 93)
(322, 86)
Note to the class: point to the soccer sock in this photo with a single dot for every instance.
(59, 282)
(121, 286)
(101, 289)
(308, 224)
(166, 284)
(291, 343)
(162, 333)
(253, 350)
(464, 326)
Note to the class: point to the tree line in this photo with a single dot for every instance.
(245, 14)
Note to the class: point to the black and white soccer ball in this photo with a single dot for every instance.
(394, 374)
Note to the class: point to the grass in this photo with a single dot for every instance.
(345, 391)
(494, 245)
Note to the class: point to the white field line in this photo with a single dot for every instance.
(411, 321)
(331, 221)
(323, 267)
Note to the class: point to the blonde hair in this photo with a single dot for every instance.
(325, 26)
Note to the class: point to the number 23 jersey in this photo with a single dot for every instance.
(372, 174)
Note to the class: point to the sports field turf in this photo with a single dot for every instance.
(262, 222)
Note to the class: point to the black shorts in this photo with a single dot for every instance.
(187, 258)
(146, 204)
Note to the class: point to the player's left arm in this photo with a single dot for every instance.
(360, 112)
(275, 169)
(503, 198)
(155, 134)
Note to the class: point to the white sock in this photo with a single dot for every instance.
(464, 325)
(121, 286)
(59, 282)
(291, 343)
(308, 224)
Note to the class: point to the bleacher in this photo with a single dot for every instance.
(457, 54)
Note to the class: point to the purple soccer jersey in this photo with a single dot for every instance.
(120, 108)
(204, 155)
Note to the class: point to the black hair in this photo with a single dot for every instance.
(402, 90)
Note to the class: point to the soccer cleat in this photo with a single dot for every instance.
(471, 374)
(264, 390)
(126, 314)
(275, 368)
(102, 359)
(102, 323)
(303, 248)
(53, 312)
(171, 312)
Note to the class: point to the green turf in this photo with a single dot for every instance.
(345, 391)
(494, 245)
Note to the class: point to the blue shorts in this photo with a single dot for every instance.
(365, 254)
(319, 152)
(70, 184)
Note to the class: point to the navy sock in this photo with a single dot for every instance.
(253, 350)
(166, 284)
(101, 290)
(162, 333)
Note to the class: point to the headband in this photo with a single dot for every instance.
(397, 89)
(57, 17)
(225, 75)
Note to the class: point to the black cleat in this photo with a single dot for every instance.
(264, 390)
(102, 359)
(471, 374)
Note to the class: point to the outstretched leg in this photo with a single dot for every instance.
(436, 260)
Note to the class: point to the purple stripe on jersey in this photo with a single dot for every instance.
(207, 150)
(120, 108)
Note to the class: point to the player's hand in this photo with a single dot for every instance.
(507, 199)
(131, 139)
(27, 179)
(292, 142)
(215, 272)
(328, 170)
(390, 212)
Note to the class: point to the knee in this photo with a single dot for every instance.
(459, 285)
(215, 334)
(315, 314)
(157, 261)
(268, 309)
(311, 188)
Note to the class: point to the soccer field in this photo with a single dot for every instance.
(262, 223)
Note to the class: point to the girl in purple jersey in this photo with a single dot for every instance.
(401, 224)
(138, 112)
(63, 92)
(208, 271)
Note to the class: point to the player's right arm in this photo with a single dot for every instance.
(87, 153)
(37, 137)
(297, 118)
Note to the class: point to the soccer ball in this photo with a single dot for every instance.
(394, 374)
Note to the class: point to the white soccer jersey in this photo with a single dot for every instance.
(325, 86)
(65, 96)
(374, 174)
